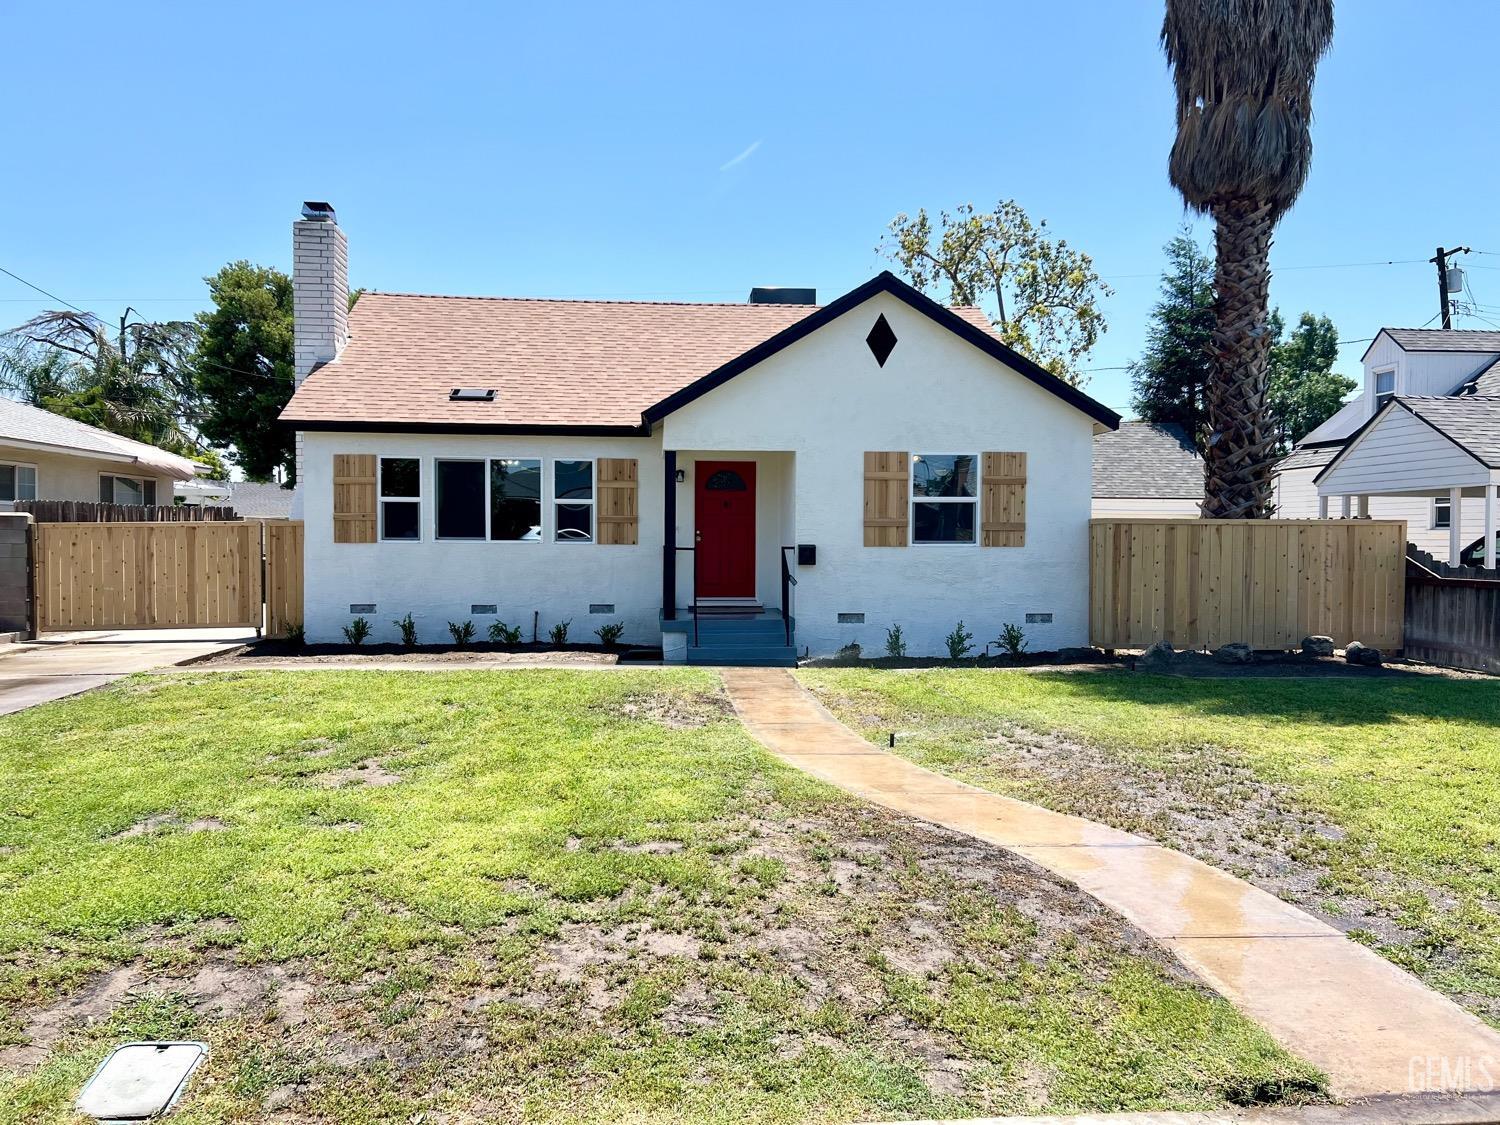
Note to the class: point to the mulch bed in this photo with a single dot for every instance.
(1197, 665)
(278, 651)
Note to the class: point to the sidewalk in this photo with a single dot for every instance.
(1344, 1009)
(66, 664)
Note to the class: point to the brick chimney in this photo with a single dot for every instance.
(320, 288)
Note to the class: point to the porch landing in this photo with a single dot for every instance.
(738, 636)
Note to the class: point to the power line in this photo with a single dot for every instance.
(44, 293)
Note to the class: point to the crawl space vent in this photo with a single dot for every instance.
(851, 619)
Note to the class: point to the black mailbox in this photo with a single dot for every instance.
(807, 554)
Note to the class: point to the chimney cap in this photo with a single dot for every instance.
(318, 211)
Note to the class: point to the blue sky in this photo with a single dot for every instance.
(692, 151)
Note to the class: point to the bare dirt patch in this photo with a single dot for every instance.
(676, 710)
(369, 772)
(162, 822)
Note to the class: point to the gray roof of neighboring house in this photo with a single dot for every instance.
(1485, 381)
(249, 500)
(1471, 421)
(1314, 457)
(1147, 460)
(33, 426)
(1444, 339)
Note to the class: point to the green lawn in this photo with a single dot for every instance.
(552, 897)
(1375, 802)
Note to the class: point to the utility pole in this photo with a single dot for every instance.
(1441, 261)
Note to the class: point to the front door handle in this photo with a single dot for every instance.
(697, 536)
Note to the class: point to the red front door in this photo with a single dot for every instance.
(724, 514)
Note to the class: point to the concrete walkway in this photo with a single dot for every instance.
(1371, 1027)
(62, 665)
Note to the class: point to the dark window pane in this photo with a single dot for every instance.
(943, 475)
(460, 499)
(150, 492)
(943, 523)
(400, 476)
(575, 523)
(8, 482)
(515, 500)
(106, 490)
(401, 519)
(574, 479)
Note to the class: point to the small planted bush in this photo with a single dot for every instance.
(1012, 638)
(503, 634)
(895, 643)
(960, 642)
(296, 636)
(609, 635)
(463, 634)
(357, 631)
(559, 632)
(408, 627)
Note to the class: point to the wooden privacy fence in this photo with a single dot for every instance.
(1266, 583)
(85, 511)
(166, 575)
(1452, 614)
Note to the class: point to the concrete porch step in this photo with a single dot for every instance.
(744, 655)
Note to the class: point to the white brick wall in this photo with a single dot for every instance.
(320, 299)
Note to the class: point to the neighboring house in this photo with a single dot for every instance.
(250, 500)
(540, 461)
(1147, 469)
(1420, 443)
(44, 456)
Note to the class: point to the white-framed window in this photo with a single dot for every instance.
(460, 499)
(400, 498)
(515, 499)
(1385, 387)
(126, 490)
(17, 482)
(573, 501)
(945, 498)
(1442, 513)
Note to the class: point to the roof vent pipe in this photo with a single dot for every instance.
(782, 295)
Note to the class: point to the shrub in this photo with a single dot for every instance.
(296, 636)
(1012, 639)
(357, 631)
(463, 635)
(503, 634)
(960, 642)
(895, 643)
(609, 635)
(408, 627)
(559, 632)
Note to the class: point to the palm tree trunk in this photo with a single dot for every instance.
(1237, 462)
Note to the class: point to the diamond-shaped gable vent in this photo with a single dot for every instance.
(882, 340)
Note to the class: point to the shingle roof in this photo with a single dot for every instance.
(1314, 457)
(35, 426)
(1472, 421)
(554, 363)
(1444, 339)
(248, 499)
(1486, 381)
(1147, 460)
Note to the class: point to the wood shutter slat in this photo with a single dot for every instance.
(1003, 514)
(619, 516)
(354, 498)
(887, 499)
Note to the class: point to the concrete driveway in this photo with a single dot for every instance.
(63, 664)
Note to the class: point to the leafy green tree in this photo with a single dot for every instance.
(33, 374)
(1303, 391)
(1045, 294)
(243, 367)
(1170, 380)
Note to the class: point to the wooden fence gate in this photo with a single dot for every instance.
(166, 575)
(1266, 583)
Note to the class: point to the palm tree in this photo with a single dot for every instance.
(1243, 70)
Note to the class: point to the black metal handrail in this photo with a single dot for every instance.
(694, 610)
(788, 580)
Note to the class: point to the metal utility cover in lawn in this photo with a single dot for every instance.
(140, 1080)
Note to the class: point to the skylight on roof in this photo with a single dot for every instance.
(472, 394)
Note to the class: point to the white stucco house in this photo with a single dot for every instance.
(44, 456)
(1421, 442)
(1147, 469)
(805, 476)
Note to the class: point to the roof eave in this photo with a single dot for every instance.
(520, 429)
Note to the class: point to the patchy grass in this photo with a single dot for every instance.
(1375, 804)
(551, 897)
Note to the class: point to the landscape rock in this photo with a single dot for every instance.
(1158, 656)
(1363, 655)
(1235, 653)
(1317, 646)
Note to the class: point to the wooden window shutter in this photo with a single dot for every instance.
(619, 514)
(887, 499)
(1003, 514)
(354, 498)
